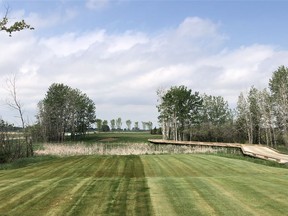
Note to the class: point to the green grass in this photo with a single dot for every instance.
(23, 162)
(212, 185)
(119, 137)
(76, 186)
(194, 184)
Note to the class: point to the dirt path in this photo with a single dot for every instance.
(258, 151)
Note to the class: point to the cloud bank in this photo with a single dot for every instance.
(121, 72)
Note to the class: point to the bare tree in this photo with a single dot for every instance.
(15, 104)
(13, 100)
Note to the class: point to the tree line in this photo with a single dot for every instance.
(261, 116)
(117, 125)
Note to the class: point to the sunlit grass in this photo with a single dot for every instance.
(180, 184)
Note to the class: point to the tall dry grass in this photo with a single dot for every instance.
(122, 149)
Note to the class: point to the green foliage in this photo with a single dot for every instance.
(99, 124)
(216, 110)
(179, 108)
(128, 123)
(17, 26)
(65, 110)
(105, 128)
(279, 82)
(188, 116)
(12, 144)
(279, 89)
(113, 124)
(155, 131)
(216, 121)
(119, 124)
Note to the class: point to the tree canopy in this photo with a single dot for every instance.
(65, 110)
(179, 108)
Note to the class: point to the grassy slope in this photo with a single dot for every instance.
(144, 185)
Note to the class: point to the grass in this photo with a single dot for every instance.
(76, 186)
(180, 184)
(212, 185)
(23, 162)
(119, 137)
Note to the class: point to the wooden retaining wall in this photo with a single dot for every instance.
(257, 151)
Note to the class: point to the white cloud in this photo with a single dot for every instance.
(121, 72)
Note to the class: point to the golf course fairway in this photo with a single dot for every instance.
(194, 184)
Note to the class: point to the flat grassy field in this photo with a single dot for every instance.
(144, 185)
(118, 137)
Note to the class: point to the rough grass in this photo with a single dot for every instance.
(144, 185)
(122, 149)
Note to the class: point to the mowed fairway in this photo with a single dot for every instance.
(144, 185)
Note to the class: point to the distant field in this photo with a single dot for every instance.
(119, 137)
(144, 185)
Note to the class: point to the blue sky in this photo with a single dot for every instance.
(246, 22)
(120, 52)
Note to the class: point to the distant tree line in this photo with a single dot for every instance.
(261, 117)
(117, 125)
(185, 115)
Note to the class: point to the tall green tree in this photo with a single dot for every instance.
(105, 126)
(254, 109)
(244, 120)
(179, 109)
(217, 118)
(113, 124)
(99, 124)
(63, 110)
(136, 126)
(279, 89)
(267, 120)
(128, 123)
(119, 123)
(215, 110)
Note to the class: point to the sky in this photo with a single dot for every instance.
(119, 52)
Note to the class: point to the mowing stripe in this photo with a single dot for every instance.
(144, 185)
(83, 185)
(212, 185)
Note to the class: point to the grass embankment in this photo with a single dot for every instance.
(144, 185)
